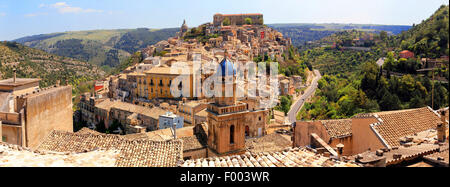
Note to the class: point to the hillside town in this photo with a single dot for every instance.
(133, 119)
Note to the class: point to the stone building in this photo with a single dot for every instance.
(188, 110)
(28, 113)
(238, 19)
(372, 131)
(134, 118)
(229, 121)
(157, 83)
(170, 120)
(333, 132)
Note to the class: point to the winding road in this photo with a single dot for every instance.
(295, 108)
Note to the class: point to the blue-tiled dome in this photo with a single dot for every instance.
(227, 68)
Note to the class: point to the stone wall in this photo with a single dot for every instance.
(219, 132)
(363, 136)
(12, 134)
(46, 111)
(303, 130)
(347, 142)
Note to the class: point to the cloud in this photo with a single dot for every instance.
(64, 8)
(36, 14)
(2, 14)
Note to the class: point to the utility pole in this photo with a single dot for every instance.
(432, 90)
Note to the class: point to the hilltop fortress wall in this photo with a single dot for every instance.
(238, 19)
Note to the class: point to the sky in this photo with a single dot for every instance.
(19, 18)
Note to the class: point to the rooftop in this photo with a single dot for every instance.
(198, 141)
(16, 156)
(292, 157)
(338, 128)
(403, 154)
(398, 124)
(136, 153)
(151, 112)
(440, 158)
(270, 142)
(167, 71)
(19, 81)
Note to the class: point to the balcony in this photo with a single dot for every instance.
(10, 118)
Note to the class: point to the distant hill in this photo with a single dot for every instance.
(107, 48)
(429, 38)
(34, 63)
(305, 32)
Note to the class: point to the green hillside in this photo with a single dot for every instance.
(354, 83)
(430, 38)
(106, 48)
(302, 33)
(34, 63)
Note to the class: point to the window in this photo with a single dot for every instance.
(259, 118)
(232, 134)
(4, 139)
(160, 83)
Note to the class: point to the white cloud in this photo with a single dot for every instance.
(2, 14)
(36, 14)
(63, 8)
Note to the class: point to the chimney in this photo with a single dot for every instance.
(174, 131)
(442, 128)
(14, 70)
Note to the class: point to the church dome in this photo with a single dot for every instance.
(227, 68)
(184, 27)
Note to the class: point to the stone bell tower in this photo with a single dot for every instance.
(227, 79)
(226, 116)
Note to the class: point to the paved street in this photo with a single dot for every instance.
(295, 108)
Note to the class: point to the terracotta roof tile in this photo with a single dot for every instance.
(338, 128)
(398, 124)
(293, 157)
(137, 153)
(197, 141)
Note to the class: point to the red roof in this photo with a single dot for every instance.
(405, 51)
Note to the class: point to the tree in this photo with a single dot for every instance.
(226, 22)
(248, 21)
(389, 102)
(383, 35)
